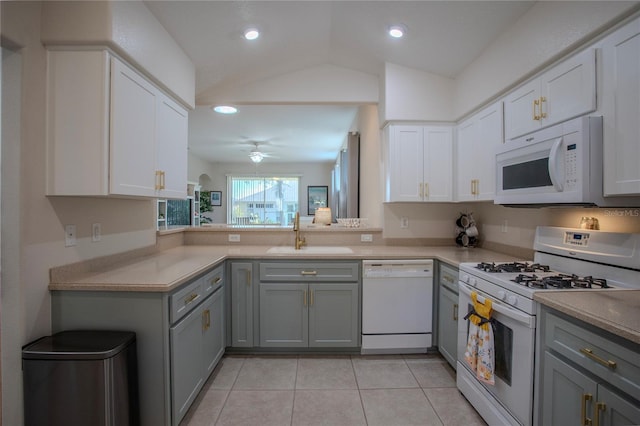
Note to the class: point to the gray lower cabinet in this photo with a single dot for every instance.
(585, 377)
(312, 304)
(179, 337)
(197, 344)
(242, 289)
(448, 312)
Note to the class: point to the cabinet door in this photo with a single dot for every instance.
(615, 410)
(465, 164)
(569, 89)
(564, 393)
(213, 331)
(448, 325)
(438, 163)
(406, 163)
(133, 132)
(284, 317)
(621, 109)
(490, 137)
(186, 362)
(171, 148)
(333, 315)
(241, 304)
(521, 114)
(78, 92)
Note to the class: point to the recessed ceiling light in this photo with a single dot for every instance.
(251, 34)
(396, 31)
(225, 109)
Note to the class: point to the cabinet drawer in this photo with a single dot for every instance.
(185, 299)
(212, 281)
(448, 277)
(310, 271)
(575, 342)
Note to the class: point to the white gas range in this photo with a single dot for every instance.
(564, 259)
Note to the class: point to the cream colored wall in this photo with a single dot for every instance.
(547, 31)
(339, 85)
(410, 94)
(39, 221)
(131, 30)
(371, 176)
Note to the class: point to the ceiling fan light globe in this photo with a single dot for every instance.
(256, 157)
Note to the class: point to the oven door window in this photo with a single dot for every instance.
(503, 349)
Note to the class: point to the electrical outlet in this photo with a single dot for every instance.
(404, 222)
(504, 227)
(69, 235)
(234, 238)
(366, 238)
(96, 232)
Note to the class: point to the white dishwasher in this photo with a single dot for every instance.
(397, 306)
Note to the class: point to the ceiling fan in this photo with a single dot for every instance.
(256, 155)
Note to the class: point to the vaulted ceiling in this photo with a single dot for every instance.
(442, 37)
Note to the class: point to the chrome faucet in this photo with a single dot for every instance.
(296, 228)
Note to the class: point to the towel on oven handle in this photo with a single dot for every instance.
(480, 352)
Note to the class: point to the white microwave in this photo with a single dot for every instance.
(559, 165)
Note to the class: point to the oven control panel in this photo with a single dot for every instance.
(580, 239)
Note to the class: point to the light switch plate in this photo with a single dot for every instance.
(96, 232)
(366, 238)
(234, 238)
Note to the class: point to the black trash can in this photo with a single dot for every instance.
(81, 377)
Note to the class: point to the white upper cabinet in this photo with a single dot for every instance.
(478, 138)
(621, 110)
(418, 163)
(565, 91)
(110, 131)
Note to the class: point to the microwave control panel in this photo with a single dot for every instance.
(570, 165)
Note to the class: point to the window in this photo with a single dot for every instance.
(261, 200)
(178, 212)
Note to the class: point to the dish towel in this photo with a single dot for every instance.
(480, 353)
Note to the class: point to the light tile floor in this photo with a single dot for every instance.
(332, 390)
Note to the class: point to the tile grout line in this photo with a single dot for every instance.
(229, 392)
(364, 412)
(295, 388)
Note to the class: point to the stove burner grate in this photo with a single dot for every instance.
(560, 281)
(512, 267)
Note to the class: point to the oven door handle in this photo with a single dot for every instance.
(525, 319)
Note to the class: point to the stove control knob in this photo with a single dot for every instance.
(512, 300)
(473, 281)
(465, 278)
(502, 295)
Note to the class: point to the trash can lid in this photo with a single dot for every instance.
(79, 344)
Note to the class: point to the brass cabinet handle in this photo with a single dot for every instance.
(158, 179)
(421, 193)
(542, 113)
(426, 189)
(535, 115)
(448, 278)
(248, 278)
(206, 320)
(455, 312)
(309, 273)
(304, 297)
(162, 180)
(584, 420)
(600, 406)
(477, 188)
(190, 299)
(217, 280)
(311, 297)
(606, 362)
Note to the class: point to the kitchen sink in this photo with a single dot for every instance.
(310, 250)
